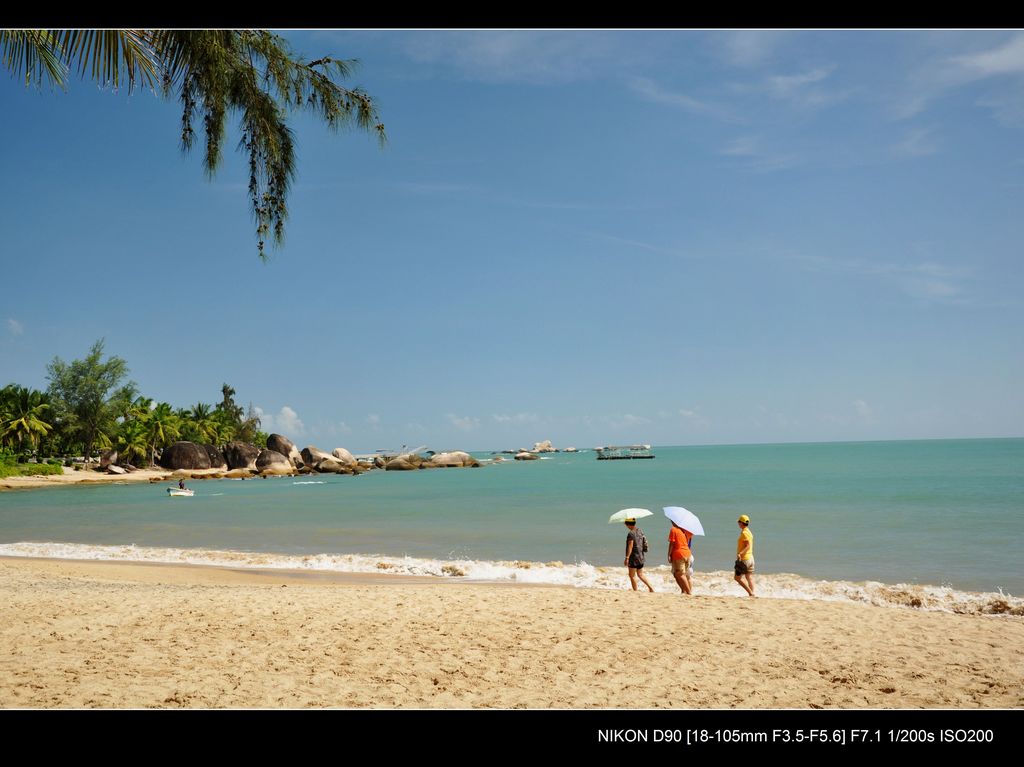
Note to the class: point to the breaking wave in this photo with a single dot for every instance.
(579, 575)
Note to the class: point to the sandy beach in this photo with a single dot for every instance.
(112, 635)
(92, 477)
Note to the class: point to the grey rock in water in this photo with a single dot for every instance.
(344, 456)
(457, 458)
(404, 462)
(313, 455)
(526, 455)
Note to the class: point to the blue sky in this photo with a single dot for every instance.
(588, 237)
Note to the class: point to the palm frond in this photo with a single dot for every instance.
(34, 53)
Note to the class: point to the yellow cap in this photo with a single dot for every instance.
(744, 519)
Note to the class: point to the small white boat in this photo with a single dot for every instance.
(173, 491)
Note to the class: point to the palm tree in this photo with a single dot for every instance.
(203, 423)
(132, 443)
(21, 416)
(251, 73)
(162, 428)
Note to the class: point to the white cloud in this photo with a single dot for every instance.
(926, 280)
(741, 147)
(918, 144)
(652, 91)
(463, 423)
(806, 89)
(15, 327)
(747, 151)
(938, 75)
(518, 418)
(863, 409)
(286, 422)
(794, 86)
(1002, 60)
(694, 417)
(748, 48)
(625, 421)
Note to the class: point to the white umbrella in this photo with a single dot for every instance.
(624, 514)
(685, 519)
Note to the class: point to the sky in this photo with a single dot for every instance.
(590, 237)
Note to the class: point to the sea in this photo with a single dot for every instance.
(928, 525)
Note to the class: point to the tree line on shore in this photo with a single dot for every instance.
(90, 406)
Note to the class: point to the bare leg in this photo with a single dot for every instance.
(632, 577)
(748, 589)
(643, 577)
(681, 582)
(750, 583)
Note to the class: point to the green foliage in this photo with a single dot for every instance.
(21, 417)
(10, 467)
(215, 74)
(89, 396)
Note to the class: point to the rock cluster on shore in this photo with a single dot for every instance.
(282, 458)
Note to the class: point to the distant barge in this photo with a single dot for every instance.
(623, 452)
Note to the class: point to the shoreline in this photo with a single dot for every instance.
(91, 477)
(346, 568)
(118, 635)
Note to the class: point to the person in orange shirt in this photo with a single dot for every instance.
(680, 557)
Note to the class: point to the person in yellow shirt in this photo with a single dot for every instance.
(745, 556)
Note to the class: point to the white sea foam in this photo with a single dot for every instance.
(579, 574)
(316, 482)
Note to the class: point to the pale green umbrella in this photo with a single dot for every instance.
(624, 514)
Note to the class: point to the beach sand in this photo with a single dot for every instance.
(91, 476)
(114, 635)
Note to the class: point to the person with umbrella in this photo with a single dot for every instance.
(636, 544)
(684, 526)
(745, 556)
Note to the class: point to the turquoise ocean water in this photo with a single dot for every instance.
(836, 520)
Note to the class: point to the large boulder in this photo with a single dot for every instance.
(216, 457)
(334, 466)
(313, 455)
(185, 455)
(404, 462)
(454, 458)
(241, 455)
(543, 447)
(344, 456)
(285, 447)
(526, 456)
(272, 462)
(108, 458)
